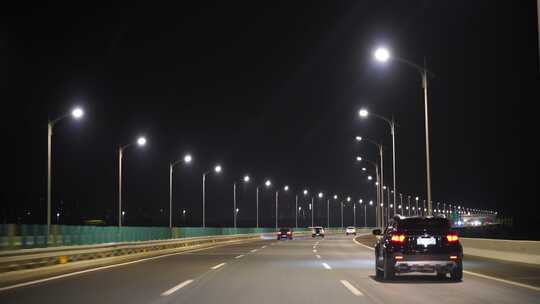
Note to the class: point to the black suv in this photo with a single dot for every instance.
(285, 233)
(419, 244)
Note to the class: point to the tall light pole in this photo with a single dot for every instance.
(354, 214)
(378, 183)
(285, 188)
(364, 113)
(76, 113)
(417, 198)
(381, 180)
(383, 55)
(320, 195)
(267, 183)
(245, 179)
(141, 141)
(217, 169)
(296, 210)
(328, 210)
(186, 159)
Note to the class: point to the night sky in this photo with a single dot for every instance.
(271, 90)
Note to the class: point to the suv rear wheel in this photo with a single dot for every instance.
(388, 269)
(457, 273)
(378, 273)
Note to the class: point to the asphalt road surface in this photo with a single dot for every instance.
(304, 270)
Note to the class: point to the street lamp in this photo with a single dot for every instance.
(285, 188)
(380, 179)
(141, 141)
(187, 160)
(267, 183)
(392, 125)
(246, 180)
(383, 55)
(217, 170)
(76, 113)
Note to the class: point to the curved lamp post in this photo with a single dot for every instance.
(76, 113)
(217, 169)
(186, 159)
(383, 55)
(141, 141)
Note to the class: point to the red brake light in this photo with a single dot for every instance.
(398, 238)
(452, 238)
(453, 257)
(288, 232)
(398, 257)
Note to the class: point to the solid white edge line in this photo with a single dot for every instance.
(254, 250)
(327, 266)
(480, 275)
(314, 250)
(218, 265)
(175, 288)
(351, 288)
(237, 257)
(97, 269)
(502, 280)
(263, 247)
(318, 256)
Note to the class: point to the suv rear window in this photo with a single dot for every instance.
(284, 230)
(424, 223)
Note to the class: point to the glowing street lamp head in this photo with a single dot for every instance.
(188, 158)
(369, 177)
(286, 188)
(305, 192)
(335, 196)
(382, 54)
(358, 158)
(320, 194)
(348, 198)
(268, 183)
(363, 113)
(358, 138)
(417, 198)
(364, 169)
(77, 113)
(141, 141)
(246, 178)
(360, 201)
(217, 169)
(371, 203)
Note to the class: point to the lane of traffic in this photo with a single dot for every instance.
(140, 283)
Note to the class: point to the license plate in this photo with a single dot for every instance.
(426, 241)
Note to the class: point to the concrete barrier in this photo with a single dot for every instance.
(508, 250)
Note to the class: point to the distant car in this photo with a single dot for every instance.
(317, 231)
(285, 233)
(350, 230)
(419, 244)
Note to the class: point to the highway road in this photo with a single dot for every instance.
(304, 270)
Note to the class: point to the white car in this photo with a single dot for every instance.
(317, 231)
(350, 230)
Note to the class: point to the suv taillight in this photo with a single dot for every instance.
(452, 238)
(398, 238)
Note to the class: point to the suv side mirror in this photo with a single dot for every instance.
(376, 231)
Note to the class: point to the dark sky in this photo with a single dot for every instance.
(272, 90)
